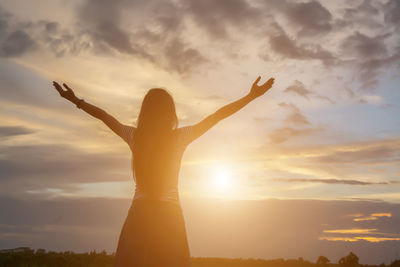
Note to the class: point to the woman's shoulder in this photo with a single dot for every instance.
(184, 130)
(184, 133)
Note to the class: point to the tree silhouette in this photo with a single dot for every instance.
(395, 263)
(323, 261)
(350, 260)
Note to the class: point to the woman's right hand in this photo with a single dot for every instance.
(258, 90)
(67, 94)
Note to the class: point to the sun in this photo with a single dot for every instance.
(222, 179)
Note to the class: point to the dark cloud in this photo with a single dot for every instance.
(371, 56)
(37, 167)
(154, 35)
(6, 131)
(392, 11)
(60, 41)
(41, 223)
(182, 58)
(365, 14)
(329, 181)
(102, 21)
(16, 43)
(283, 45)
(157, 31)
(20, 37)
(165, 47)
(366, 6)
(312, 17)
(370, 70)
(216, 16)
(362, 46)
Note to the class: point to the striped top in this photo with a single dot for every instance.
(156, 169)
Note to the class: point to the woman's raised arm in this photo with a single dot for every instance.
(94, 111)
(255, 91)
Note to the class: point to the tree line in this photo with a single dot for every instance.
(40, 258)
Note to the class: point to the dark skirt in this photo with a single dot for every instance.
(153, 234)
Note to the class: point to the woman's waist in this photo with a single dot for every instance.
(170, 194)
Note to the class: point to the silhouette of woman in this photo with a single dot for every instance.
(154, 232)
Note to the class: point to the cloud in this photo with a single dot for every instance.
(366, 14)
(350, 231)
(18, 37)
(182, 58)
(299, 88)
(6, 131)
(392, 9)
(13, 41)
(283, 45)
(371, 55)
(16, 43)
(363, 154)
(312, 17)
(100, 29)
(43, 223)
(372, 217)
(37, 167)
(372, 99)
(372, 239)
(156, 35)
(295, 115)
(362, 46)
(372, 164)
(370, 69)
(102, 21)
(359, 234)
(60, 41)
(283, 134)
(216, 16)
(329, 181)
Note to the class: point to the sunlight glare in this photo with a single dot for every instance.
(222, 180)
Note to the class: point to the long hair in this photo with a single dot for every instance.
(155, 124)
(157, 112)
(156, 121)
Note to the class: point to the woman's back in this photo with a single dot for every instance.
(156, 160)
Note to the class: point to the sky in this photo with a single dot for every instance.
(311, 168)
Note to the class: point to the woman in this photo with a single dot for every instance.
(154, 232)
